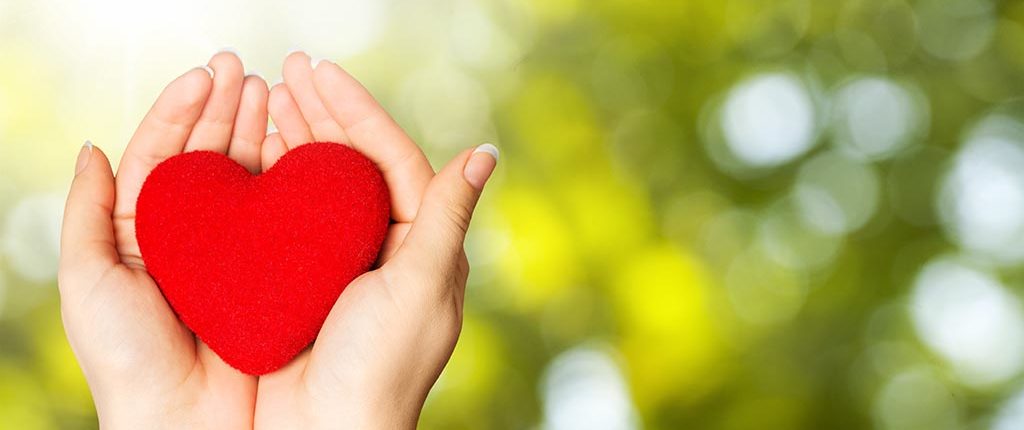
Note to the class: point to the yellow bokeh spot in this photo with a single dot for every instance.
(22, 402)
(541, 260)
(555, 124)
(61, 372)
(670, 337)
(469, 378)
(30, 122)
(610, 216)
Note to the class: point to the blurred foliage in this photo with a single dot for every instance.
(708, 214)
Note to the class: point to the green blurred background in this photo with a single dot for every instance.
(720, 214)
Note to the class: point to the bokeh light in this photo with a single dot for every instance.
(875, 117)
(350, 29)
(31, 237)
(791, 241)
(917, 400)
(969, 319)
(956, 30)
(1011, 414)
(982, 199)
(836, 194)
(583, 388)
(768, 120)
(467, 118)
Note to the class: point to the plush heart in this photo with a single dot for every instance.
(253, 264)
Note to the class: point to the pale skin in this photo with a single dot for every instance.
(388, 336)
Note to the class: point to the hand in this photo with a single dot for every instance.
(393, 329)
(144, 367)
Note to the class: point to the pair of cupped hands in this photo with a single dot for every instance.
(389, 334)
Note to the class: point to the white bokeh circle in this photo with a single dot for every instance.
(768, 119)
(31, 237)
(967, 317)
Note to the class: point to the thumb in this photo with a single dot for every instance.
(435, 238)
(87, 236)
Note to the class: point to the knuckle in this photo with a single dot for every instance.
(458, 215)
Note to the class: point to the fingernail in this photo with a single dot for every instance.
(325, 61)
(271, 128)
(480, 165)
(293, 50)
(84, 155)
(209, 71)
(229, 50)
(255, 73)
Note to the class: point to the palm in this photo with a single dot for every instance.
(136, 317)
(135, 324)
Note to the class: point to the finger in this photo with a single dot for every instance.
(250, 124)
(273, 149)
(162, 134)
(298, 75)
(213, 131)
(436, 236)
(224, 381)
(392, 241)
(287, 117)
(374, 133)
(87, 246)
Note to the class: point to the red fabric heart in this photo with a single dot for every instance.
(253, 264)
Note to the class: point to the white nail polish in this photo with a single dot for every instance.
(84, 155)
(271, 128)
(488, 148)
(208, 70)
(256, 73)
(231, 50)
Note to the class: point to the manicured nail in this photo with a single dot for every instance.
(84, 155)
(255, 73)
(230, 50)
(271, 128)
(325, 61)
(208, 70)
(480, 165)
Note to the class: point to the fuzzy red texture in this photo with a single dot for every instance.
(253, 264)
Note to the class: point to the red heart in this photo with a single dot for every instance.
(253, 264)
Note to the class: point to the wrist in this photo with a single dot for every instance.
(370, 410)
(139, 415)
(174, 410)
